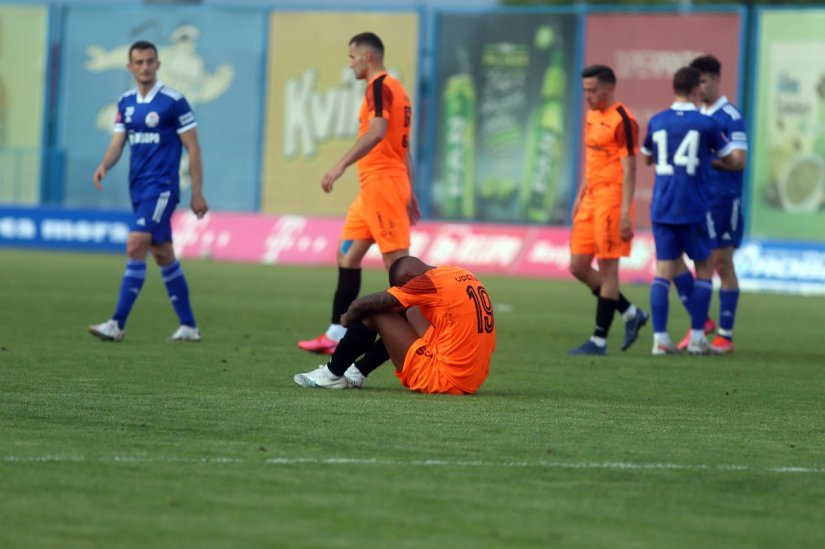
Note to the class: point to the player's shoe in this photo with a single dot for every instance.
(186, 333)
(321, 378)
(700, 347)
(107, 331)
(321, 345)
(721, 345)
(663, 348)
(588, 348)
(355, 379)
(632, 327)
(710, 327)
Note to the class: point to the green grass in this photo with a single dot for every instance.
(149, 443)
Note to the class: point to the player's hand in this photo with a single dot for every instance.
(413, 210)
(97, 178)
(199, 206)
(625, 228)
(344, 320)
(330, 177)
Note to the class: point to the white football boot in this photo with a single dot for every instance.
(107, 331)
(321, 378)
(355, 379)
(186, 333)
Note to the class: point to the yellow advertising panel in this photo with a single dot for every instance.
(22, 87)
(313, 101)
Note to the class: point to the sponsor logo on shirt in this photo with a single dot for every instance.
(152, 119)
(144, 138)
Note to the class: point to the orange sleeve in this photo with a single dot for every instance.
(379, 99)
(418, 291)
(626, 134)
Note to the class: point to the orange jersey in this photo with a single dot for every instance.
(609, 136)
(462, 333)
(386, 98)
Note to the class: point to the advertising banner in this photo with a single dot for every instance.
(64, 229)
(645, 50)
(313, 101)
(503, 139)
(212, 56)
(788, 156)
(23, 58)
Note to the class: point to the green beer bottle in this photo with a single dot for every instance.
(544, 146)
(459, 144)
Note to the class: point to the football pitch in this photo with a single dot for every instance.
(148, 443)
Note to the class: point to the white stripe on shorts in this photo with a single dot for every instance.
(160, 207)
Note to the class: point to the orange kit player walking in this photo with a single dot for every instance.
(443, 344)
(386, 205)
(603, 209)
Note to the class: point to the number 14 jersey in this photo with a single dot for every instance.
(683, 143)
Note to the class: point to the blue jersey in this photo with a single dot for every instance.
(152, 125)
(728, 185)
(682, 143)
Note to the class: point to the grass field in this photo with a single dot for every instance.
(147, 443)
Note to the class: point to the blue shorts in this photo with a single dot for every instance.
(153, 215)
(673, 240)
(728, 226)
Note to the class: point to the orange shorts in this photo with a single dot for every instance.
(379, 213)
(596, 225)
(423, 372)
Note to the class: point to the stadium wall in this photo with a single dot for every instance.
(497, 133)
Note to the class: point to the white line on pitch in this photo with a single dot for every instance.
(629, 466)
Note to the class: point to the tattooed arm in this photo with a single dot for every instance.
(379, 302)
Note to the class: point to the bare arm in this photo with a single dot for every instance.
(628, 191)
(413, 211)
(190, 141)
(375, 133)
(110, 158)
(379, 302)
(734, 162)
(648, 159)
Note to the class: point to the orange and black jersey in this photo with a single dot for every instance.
(386, 98)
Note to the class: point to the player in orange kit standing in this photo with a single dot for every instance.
(386, 205)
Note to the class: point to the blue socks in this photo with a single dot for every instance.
(130, 287)
(728, 300)
(684, 287)
(178, 292)
(659, 302)
(700, 303)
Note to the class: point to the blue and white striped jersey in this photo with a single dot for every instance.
(153, 124)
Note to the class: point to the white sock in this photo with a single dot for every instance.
(630, 313)
(336, 332)
(661, 338)
(599, 341)
(697, 335)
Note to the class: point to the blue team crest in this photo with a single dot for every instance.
(152, 119)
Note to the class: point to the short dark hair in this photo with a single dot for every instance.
(602, 73)
(368, 39)
(142, 45)
(707, 64)
(685, 81)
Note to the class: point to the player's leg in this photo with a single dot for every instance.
(354, 243)
(668, 255)
(398, 335)
(696, 242)
(137, 247)
(730, 230)
(358, 340)
(728, 298)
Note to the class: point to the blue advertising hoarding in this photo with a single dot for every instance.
(214, 57)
